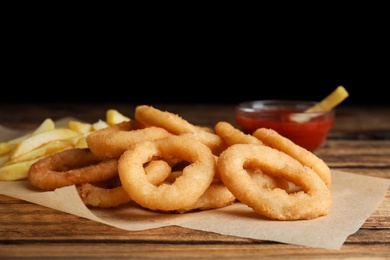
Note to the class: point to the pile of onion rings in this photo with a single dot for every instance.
(162, 162)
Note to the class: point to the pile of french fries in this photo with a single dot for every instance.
(17, 155)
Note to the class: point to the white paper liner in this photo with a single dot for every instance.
(355, 197)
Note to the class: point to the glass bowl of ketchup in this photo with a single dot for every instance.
(288, 118)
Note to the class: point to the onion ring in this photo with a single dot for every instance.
(173, 123)
(232, 135)
(313, 201)
(102, 195)
(267, 181)
(112, 141)
(185, 191)
(216, 196)
(71, 166)
(273, 139)
(108, 194)
(211, 140)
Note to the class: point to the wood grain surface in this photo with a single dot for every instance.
(358, 143)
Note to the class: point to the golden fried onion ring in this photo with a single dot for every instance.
(173, 123)
(112, 141)
(216, 196)
(68, 167)
(108, 195)
(232, 135)
(273, 139)
(312, 201)
(211, 140)
(185, 191)
(94, 195)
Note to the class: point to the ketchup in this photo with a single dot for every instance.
(310, 134)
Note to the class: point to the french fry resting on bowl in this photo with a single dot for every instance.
(306, 123)
(327, 104)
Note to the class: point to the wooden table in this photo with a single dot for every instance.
(359, 143)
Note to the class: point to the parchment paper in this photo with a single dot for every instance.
(355, 197)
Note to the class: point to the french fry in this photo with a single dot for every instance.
(41, 138)
(99, 125)
(46, 125)
(333, 99)
(3, 159)
(16, 171)
(17, 155)
(114, 117)
(80, 127)
(329, 102)
(81, 143)
(43, 150)
(6, 147)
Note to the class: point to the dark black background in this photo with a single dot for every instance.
(194, 62)
(190, 79)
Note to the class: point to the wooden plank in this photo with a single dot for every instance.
(358, 143)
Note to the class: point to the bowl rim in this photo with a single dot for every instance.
(248, 106)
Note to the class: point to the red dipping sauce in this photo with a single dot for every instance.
(287, 117)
